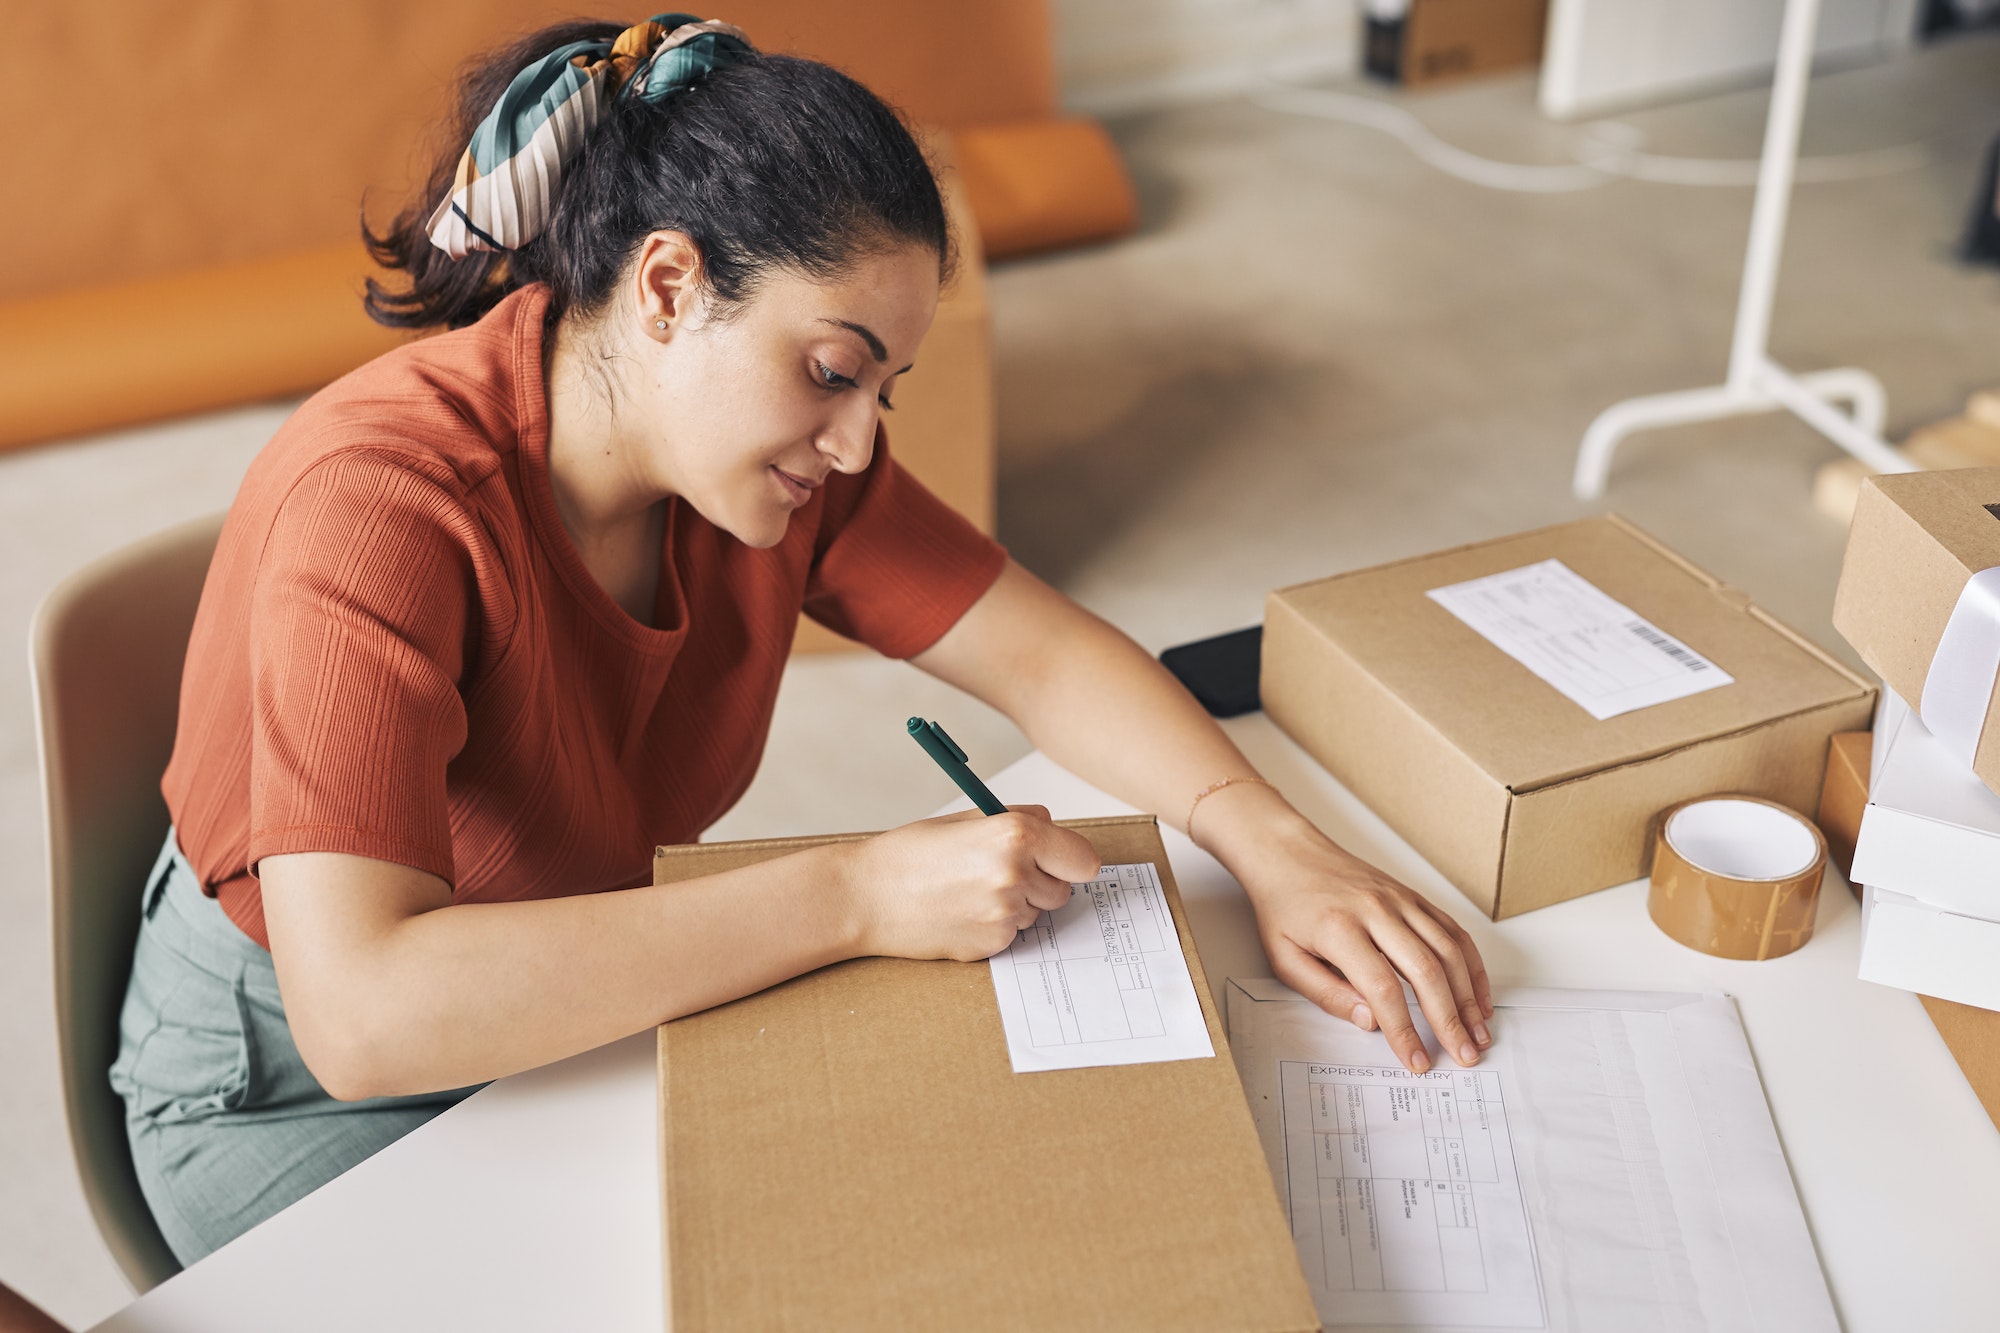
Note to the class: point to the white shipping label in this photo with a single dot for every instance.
(1101, 981)
(1603, 657)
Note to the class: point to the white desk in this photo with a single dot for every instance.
(534, 1205)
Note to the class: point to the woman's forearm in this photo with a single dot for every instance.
(390, 988)
(1103, 708)
(385, 1000)
(1125, 724)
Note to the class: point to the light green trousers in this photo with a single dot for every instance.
(227, 1124)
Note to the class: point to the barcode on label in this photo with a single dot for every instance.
(1666, 645)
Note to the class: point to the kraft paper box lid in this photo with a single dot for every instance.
(1916, 539)
(1516, 727)
(1516, 794)
(852, 1150)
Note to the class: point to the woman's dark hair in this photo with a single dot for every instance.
(774, 162)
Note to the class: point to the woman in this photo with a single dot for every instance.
(502, 610)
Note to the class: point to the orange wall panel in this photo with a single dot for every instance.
(180, 135)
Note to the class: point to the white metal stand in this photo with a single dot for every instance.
(1756, 383)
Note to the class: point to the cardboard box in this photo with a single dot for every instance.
(1837, 485)
(1916, 540)
(1954, 443)
(1517, 795)
(1984, 407)
(1973, 1037)
(1416, 42)
(851, 1150)
(1970, 440)
(1843, 798)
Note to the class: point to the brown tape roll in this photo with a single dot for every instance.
(1736, 876)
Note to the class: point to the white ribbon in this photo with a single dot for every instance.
(1959, 685)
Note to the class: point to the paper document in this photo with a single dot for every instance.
(1611, 1163)
(1401, 1184)
(1596, 651)
(1101, 981)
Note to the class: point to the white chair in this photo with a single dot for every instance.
(107, 650)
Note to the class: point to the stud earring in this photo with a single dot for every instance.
(659, 324)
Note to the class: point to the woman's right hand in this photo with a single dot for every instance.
(961, 886)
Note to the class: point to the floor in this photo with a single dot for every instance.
(1319, 353)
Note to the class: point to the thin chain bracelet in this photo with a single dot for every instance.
(1210, 790)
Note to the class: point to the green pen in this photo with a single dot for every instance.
(951, 759)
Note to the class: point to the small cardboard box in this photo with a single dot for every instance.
(1416, 42)
(1917, 539)
(852, 1150)
(1516, 794)
(1843, 798)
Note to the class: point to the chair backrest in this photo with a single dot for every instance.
(107, 650)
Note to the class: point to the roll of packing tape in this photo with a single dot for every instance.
(1736, 877)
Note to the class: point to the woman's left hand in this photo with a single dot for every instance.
(1336, 929)
(1344, 934)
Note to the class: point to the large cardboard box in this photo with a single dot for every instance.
(1917, 540)
(1518, 795)
(852, 1150)
(1973, 1038)
(1416, 42)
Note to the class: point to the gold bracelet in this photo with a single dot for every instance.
(1210, 790)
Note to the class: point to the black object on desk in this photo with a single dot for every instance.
(1221, 673)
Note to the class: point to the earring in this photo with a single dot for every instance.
(659, 324)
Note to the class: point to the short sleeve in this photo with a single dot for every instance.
(895, 567)
(362, 599)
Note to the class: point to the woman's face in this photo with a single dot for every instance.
(746, 415)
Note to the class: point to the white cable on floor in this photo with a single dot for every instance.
(1609, 150)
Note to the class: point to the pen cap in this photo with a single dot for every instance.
(949, 743)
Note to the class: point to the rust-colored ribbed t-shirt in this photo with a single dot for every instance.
(400, 654)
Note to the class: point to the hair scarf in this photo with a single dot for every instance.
(507, 178)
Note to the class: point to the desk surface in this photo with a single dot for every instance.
(533, 1204)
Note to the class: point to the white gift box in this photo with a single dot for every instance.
(1911, 945)
(1929, 854)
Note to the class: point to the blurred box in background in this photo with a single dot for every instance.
(1417, 42)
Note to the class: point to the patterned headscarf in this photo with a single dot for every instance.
(507, 179)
